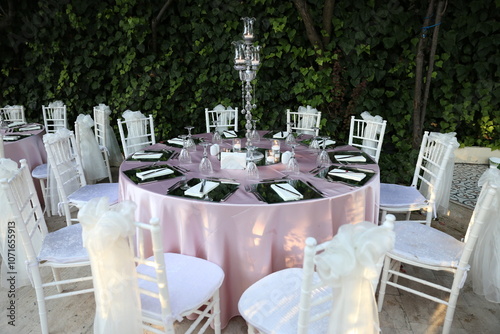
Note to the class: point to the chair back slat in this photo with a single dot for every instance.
(54, 118)
(226, 119)
(367, 135)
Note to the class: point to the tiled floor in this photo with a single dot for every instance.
(464, 188)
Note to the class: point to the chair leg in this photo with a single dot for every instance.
(57, 277)
(40, 298)
(45, 194)
(383, 282)
(106, 161)
(216, 310)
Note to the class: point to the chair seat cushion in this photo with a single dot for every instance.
(427, 245)
(398, 196)
(90, 191)
(272, 304)
(191, 281)
(64, 246)
(40, 171)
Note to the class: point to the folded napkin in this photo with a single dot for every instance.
(287, 192)
(29, 128)
(280, 135)
(233, 160)
(346, 174)
(176, 141)
(351, 158)
(13, 124)
(285, 157)
(328, 142)
(230, 134)
(195, 190)
(146, 155)
(214, 149)
(154, 173)
(8, 138)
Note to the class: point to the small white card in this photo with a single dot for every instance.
(233, 160)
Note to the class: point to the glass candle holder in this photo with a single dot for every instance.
(236, 145)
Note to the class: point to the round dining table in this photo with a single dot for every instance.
(26, 142)
(249, 234)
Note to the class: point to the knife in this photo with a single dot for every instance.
(203, 185)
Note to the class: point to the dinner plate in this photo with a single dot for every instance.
(270, 196)
(219, 194)
(324, 174)
(166, 154)
(131, 173)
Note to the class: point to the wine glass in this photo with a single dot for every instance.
(205, 164)
(216, 137)
(184, 156)
(255, 135)
(292, 165)
(314, 145)
(252, 170)
(290, 139)
(190, 145)
(323, 159)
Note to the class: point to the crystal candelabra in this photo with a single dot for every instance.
(246, 62)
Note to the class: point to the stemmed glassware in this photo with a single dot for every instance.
(184, 156)
(292, 165)
(290, 139)
(205, 164)
(190, 145)
(216, 137)
(255, 137)
(314, 145)
(252, 170)
(323, 159)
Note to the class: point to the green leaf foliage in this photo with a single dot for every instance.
(90, 52)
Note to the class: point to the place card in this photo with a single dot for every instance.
(233, 160)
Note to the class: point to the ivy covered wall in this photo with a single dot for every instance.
(90, 52)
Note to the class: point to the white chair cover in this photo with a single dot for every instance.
(442, 200)
(135, 130)
(105, 235)
(58, 114)
(223, 118)
(8, 169)
(115, 155)
(485, 260)
(307, 121)
(92, 161)
(371, 131)
(349, 266)
(15, 112)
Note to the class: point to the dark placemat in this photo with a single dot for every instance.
(218, 194)
(166, 154)
(131, 174)
(270, 196)
(323, 173)
(369, 160)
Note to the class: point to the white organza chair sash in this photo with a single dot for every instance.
(485, 260)
(351, 266)
(14, 112)
(105, 236)
(115, 155)
(92, 161)
(58, 114)
(371, 131)
(135, 130)
(306, 121)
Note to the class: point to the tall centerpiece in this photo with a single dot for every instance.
(246, 62)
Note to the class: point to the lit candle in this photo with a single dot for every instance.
(270, 156)
(236, 144)
(276, 145)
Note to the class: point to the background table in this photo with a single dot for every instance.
(30, 148)
(247, 238)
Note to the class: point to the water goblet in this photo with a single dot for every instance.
(190, 145)
(292, 166)
(205, 164)
(216, 137)
(184, 156)
(255, 135)
(314, 145)
(323, 159)
(290, 139)
(252, 170)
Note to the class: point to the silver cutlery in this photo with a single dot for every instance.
(202, 187)
(154, 171)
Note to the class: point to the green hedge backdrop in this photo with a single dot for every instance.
(89, 52)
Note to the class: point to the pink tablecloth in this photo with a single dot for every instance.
(247, 238)
(30, 148)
